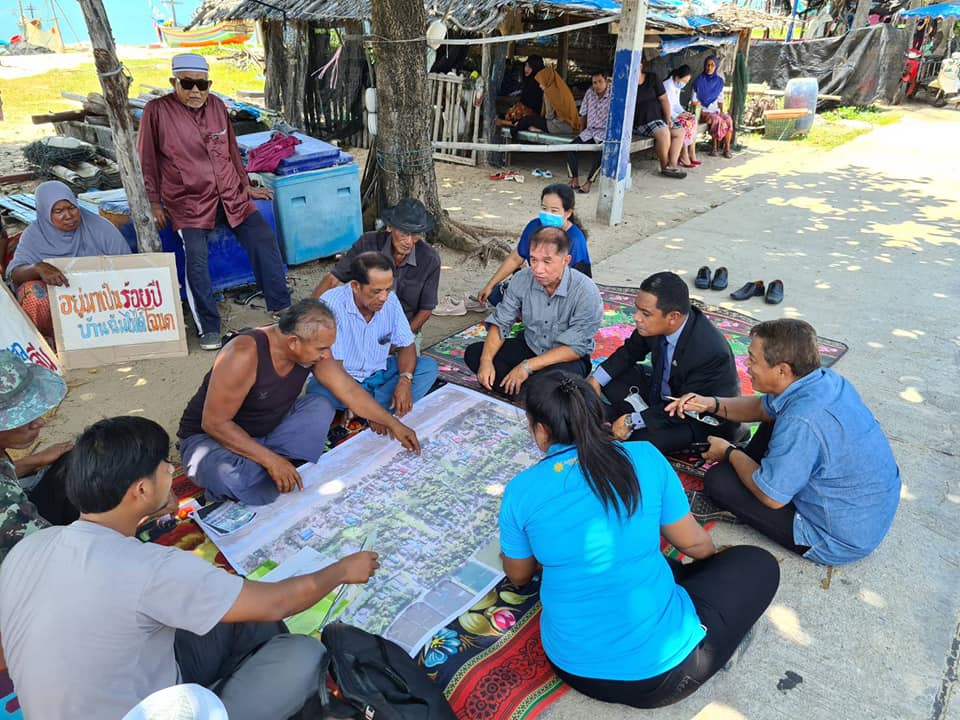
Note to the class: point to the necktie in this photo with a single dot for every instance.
(660, 374)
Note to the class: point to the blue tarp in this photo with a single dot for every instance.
(669, 45)
(943, 10)
(608, 5)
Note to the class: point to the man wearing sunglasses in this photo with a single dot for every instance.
(195, 179)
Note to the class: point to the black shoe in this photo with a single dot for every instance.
(703, 278)
(719, 279)
(751, 289)
(774, 292)
(703, 509)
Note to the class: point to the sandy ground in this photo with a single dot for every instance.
(160, 389)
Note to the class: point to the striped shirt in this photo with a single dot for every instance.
(363, 347)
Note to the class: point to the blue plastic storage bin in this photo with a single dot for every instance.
(318, 212)
(227, 260)
(310, 154)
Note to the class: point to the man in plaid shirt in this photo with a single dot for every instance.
(593, 127)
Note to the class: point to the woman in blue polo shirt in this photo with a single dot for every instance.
(621, 623)
(557, 210)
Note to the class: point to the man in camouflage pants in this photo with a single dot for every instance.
(32, 492)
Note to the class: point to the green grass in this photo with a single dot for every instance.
(39, 94)
(867, 113)
(827, 137)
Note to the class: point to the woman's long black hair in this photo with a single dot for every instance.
(572, 414)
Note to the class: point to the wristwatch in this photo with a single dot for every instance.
(526, 366)
(730, 449)
(628, 422)
(407, 376)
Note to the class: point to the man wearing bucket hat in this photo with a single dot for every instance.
(417, 275)
(27, 393)
(195, 178)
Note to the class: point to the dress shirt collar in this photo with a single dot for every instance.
(777, 402)
(562, 289)
(674, 337)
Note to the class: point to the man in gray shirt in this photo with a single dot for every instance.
(93, 621)
(561, 312)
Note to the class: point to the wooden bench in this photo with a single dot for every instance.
(542, 138)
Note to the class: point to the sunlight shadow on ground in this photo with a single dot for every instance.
(719, 711)
(872, 598)
(787, 623)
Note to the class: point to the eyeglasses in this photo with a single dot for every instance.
(190, 84)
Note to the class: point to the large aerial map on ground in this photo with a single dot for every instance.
(432, 518)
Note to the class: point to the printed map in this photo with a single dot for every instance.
(432, 518)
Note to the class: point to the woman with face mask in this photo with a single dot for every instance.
(556, 210)
(678, 80)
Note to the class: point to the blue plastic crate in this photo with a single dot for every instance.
(318, 213)
(310, 154)
(227, 260)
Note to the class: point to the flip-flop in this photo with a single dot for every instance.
(686, 165)
(499, 176)
(673, 173)
(580, 190)
(545, 174)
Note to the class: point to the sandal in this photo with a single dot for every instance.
(584, 190)
(686, 165)
(499, 176)
(727, 154)
(713, 153)
(673, 173)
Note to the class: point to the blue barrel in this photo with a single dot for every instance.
(802, 93)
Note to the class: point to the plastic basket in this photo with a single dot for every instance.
(779, 128)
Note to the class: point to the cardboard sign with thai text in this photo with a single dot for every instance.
(20, 336)
(117, 308)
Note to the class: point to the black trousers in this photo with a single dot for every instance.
(528, 122)
(513, 352)
(666, 433)
(573, 161)
(49, 495)
(730, 591)
(724, 487)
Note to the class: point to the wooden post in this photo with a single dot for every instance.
(623, 101)
(563, 57)
(493, 77)
(115, 82)
(861, 16)
(275, 70)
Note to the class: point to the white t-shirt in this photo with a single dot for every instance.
(88, 617)
(673, 96)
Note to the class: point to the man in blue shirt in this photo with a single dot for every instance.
(371, 323)
(818, 477)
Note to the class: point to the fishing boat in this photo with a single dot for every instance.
(222, 33)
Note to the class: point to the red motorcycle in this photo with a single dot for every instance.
(918, 73)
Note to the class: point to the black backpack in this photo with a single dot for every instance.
(377, 679)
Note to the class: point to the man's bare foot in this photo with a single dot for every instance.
(585, 188)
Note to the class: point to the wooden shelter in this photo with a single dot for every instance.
(305, 39)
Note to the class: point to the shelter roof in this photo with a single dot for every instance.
(482, 16)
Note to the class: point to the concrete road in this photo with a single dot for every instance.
(865, 238)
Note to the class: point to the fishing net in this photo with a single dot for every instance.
(49, 151)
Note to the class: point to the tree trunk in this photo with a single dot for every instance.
(861, 16)
(115, 82)
(275, 63)
(295, 84)
(404, 116)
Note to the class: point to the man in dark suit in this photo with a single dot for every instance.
(687, 351)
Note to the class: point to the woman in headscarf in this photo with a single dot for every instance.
(531, 94)
(62, 229)
(707, 89)
(559, 107)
